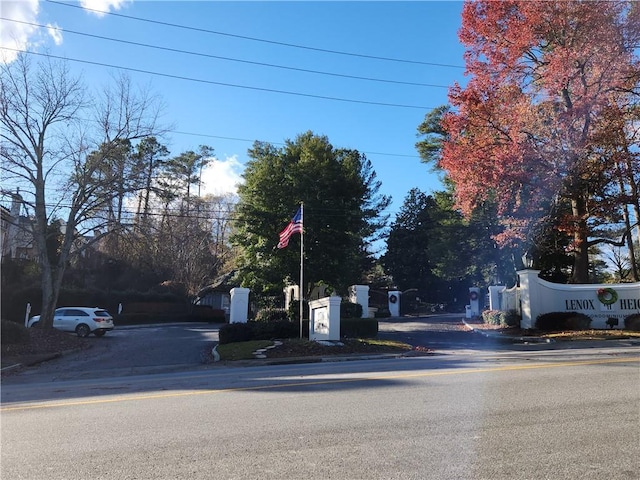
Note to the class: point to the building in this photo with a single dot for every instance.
(16, 232)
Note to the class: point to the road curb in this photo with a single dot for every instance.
(45, 357)
(501, 336)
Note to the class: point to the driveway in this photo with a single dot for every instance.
(176, 347)
(436, 332)
(133, 350)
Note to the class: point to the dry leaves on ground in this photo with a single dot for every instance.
(44, 341)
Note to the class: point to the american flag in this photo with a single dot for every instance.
(295, 226)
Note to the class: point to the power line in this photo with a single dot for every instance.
(211, 82)
(280, 143)
(230, 59)
(201, 212)
(254, 39)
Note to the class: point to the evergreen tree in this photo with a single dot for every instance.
(342, 214)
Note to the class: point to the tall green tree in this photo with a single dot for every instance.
(184, 172)
(150, 156)
(471, 251)
(343, 213)
(409, 258)
(433, 248)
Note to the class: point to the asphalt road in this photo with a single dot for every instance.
(131, 351)
(463, 413)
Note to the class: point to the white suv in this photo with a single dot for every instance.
(82, 320)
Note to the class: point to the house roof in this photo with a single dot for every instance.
(223, 283)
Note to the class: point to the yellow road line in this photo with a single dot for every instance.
(423, 374)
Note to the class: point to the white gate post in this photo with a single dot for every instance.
(394, 303)
(529, 297)
(26, 315)
(239, 305)
(360, 294)
(474, 301)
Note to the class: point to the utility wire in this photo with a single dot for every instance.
(280, 143)
(201, 212)
(211, 82)
(217, 57)
(254, 39)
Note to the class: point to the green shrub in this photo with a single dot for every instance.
(274, 329)
(155, 307)
(632, 322)
(293, 312)
(492, 317)
(206, 313)
(580, 321)
(509, 318)
(13, 333)
(358, 327)
(350, 310)
(150, 318)
(272, 315)
(235, 332)
(383, 312)
(558, 321)
(132, 319)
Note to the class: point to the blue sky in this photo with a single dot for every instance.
(229, 102)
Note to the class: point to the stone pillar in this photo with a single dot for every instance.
(474, 301)
(529, 297)
(324, 319)
(394, 303)
(239, 309)
(360, 294)
(494, 297)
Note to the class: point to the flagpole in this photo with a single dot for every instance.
(301, 289)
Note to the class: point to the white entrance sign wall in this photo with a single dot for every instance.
(394, 303)
(324, 319)
(239, 309)
(360, 294)
(606, 304)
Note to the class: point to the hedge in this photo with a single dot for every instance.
(559, 321)
(632, 322)
(358, 328)
(14, 301)
(263, 330)
(508, 318)
(350, 310)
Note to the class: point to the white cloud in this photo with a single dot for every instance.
(222, 176)
(102, 6)
(55, 33)
(16, 35)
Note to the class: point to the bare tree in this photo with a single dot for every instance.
(53, 141)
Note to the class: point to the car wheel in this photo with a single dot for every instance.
(83, 330)
(34, 324)
(99, 333)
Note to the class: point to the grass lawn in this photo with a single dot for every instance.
(304, 348)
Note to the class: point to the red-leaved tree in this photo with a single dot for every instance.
(527, 130)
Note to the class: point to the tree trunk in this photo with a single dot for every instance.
(49, 297)
(580, 272)
(628, 236)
